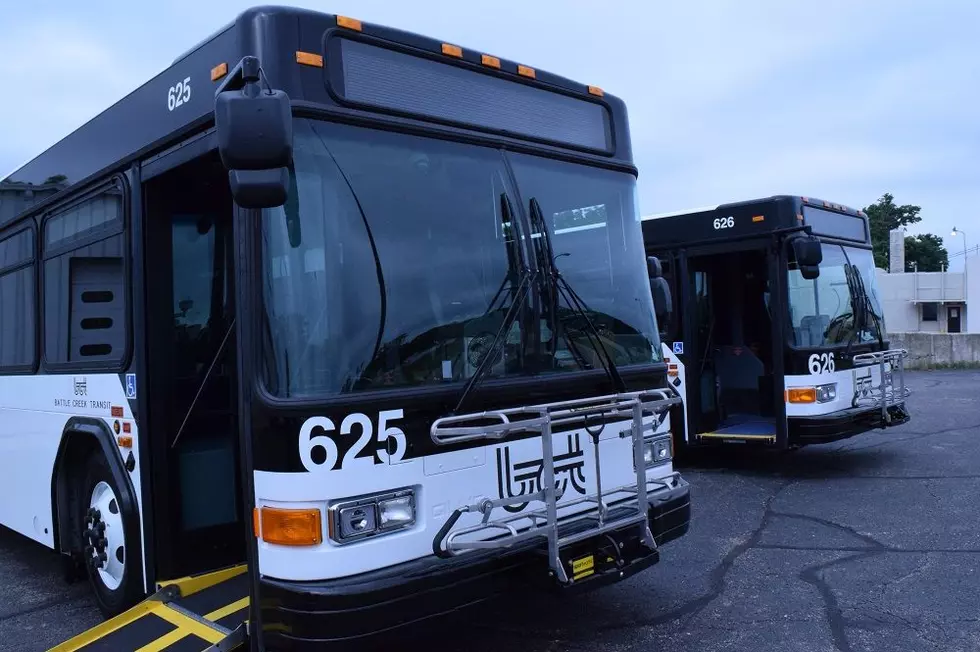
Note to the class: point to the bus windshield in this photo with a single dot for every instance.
(822, 311)
(393, 263)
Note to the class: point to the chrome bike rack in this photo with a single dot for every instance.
(891, 390)
(592, 414)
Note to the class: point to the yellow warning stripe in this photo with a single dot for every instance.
(227, 610)
(189, 625)
(192, 584)
(735, 435)
(105, 628)
(185, 625)
(164, 641)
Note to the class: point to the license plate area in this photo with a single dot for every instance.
(603, 556)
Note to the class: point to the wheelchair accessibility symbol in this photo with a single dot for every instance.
(678, 348)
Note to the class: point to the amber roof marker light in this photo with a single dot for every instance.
(349, 23)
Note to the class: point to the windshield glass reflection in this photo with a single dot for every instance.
(826, 311)
(383, 267)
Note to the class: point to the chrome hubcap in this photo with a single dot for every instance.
(105, 542)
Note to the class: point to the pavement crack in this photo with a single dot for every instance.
(889, 549)
(813, 575)
(867, 538)
(792, 548)
(718, 574)
(965, 476)
(914, 436)
(40, 606)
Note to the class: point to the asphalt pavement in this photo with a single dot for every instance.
(868, 544)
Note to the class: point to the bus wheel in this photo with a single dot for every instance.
(105, 549)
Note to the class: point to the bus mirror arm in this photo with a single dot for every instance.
(254, 128)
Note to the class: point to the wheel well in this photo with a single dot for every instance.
(76, 447)
(84, 436)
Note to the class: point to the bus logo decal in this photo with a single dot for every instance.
(81, 386)
(524, 478)
(130, 385)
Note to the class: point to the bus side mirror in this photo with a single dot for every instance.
(255, 137)
(809, 255)
(660, 289)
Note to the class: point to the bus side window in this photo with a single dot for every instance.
(84, 282)
(17, 309)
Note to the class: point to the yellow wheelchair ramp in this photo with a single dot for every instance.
(191, 614)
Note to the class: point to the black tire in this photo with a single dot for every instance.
(115, 600)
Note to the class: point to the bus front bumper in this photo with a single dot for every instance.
(307, 615)
(826, 428)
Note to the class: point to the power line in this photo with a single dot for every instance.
(970, 250)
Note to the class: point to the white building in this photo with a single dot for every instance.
(933, 302)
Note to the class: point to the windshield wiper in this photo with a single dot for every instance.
(516, 268)
(869, 308)
(857, 308)
(517, 271)
(861, 303)
(561, 286)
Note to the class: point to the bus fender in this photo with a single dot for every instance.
(80, 437)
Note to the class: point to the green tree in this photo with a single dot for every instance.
(923, 252)
(926, 253)
(883, 216)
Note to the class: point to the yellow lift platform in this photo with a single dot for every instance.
(205, 612)
(744, 430)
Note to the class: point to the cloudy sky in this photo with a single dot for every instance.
(728, 100)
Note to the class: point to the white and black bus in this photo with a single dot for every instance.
(777, 325)
(356, 321)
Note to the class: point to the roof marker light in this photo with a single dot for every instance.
(452, 50)
(488, 60)
(525, 71)
(219, 71)
(758, 218)
(349, 23)
(595, 90)
(309, 59)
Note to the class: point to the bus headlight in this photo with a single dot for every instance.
(826, 393)
(355, 519)
(397, 512)
(656, 451)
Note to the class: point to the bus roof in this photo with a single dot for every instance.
(179, 101)
(753, 218)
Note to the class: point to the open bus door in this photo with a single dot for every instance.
(209, 608)
(725, 332)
